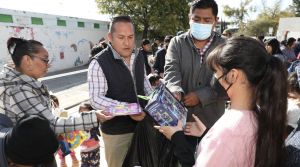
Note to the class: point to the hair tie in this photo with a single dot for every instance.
(18, 42)
(12, 49)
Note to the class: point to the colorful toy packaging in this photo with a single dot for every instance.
(164, 108)
(70, 141)
(124, 109)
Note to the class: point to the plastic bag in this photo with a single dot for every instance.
(149, 148)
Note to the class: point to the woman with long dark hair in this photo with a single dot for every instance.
(273, 48)
(251, 132)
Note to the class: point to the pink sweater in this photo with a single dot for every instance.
(230, 142)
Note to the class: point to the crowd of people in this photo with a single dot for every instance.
(202, 68)
(286, 50)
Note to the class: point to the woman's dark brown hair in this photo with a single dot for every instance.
(19, 47)
(268, 77)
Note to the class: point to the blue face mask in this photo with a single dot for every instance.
(200, 31)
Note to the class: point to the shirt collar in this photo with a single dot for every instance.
(15, 75)
(115, 53)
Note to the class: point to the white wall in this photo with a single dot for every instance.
(67, 46)
(291, 24)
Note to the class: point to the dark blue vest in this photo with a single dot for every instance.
(121, 87)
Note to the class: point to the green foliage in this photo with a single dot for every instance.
(152, 18)
(239, 14)
(269, 17)
(260, 27)
(296, 6)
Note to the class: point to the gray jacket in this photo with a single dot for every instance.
(184, 73)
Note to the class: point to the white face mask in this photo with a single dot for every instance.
(200, 31)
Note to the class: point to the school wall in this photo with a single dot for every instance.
(67, 39)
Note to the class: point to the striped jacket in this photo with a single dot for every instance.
(21, 94)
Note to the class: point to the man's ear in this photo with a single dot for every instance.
(216, 21)
(109, 36)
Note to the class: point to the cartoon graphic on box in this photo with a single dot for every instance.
(164, 108)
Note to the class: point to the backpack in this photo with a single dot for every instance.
(5, 125)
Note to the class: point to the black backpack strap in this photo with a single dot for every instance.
(3, 160)
(5, 125)
(5, 121)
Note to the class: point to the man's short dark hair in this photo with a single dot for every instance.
(122, 18)
(145, 42)
(290, 41)
(204, 4)
(96, 49)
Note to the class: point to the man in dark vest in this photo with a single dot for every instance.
(116, 76)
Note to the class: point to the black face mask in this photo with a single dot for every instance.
(224, 75)
(218, 88)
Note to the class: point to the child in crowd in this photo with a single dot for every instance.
(90, 148)
(62, 157)
(293, 112)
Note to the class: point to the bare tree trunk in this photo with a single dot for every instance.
(145, 31)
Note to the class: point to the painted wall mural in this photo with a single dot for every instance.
(68, 46)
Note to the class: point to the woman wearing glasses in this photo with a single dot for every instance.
(21, 93)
